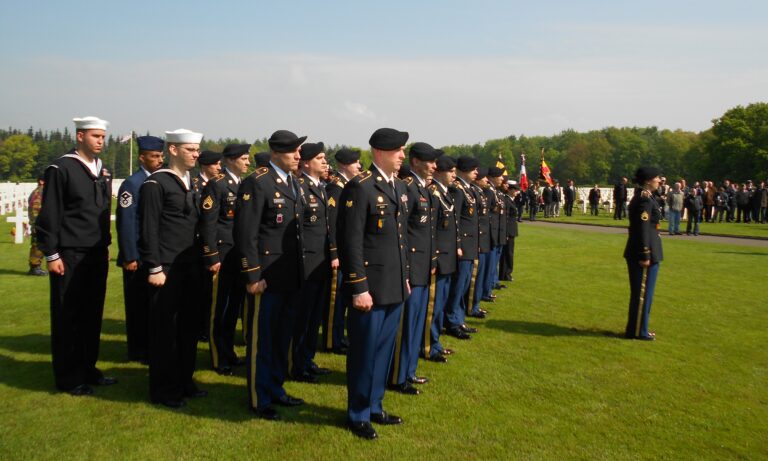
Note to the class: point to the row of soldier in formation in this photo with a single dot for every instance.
(406, 257)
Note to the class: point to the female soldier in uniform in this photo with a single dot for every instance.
(643, 252)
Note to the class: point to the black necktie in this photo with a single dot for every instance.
(290, 185)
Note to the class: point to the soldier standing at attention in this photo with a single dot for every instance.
(372, 251)
(268, 235)
(210, 166)
(73, 234)
(34, 203)
(170, 251)
(135, 289)
(498, 228)
(448, 251)
(318, 260)
(508, 253)
(465, 208)
(221, 260)
(423, 262)
(643, 253)
(482, 273)
(348, 166)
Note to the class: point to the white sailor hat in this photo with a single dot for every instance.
(90, 123)
(182, 136)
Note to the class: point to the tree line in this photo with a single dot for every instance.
(734, 147)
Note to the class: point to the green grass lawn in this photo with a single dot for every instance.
(606, 219)
(546, 377)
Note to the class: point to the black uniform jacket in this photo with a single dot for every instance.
(217, 217)
(317, 262)
(268, 230)
(421, 232)
(168, 216)
(498, 210)
(372, 237)
(483, 220)
(446, 229)
(511, 210)
(644, 242)
(466, 209)
(333, 190)
(76, 207)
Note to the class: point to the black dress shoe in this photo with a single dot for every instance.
(446, 351)
(194, 392)
(288, 401)
(172, 403)
(362, 429)
(103, 381)
(385, 418)
(202, 338)
(507, 279)
(405, 388)
(477, 315)
(458, 333)
(467, 329)
(438, 358)
(238, 362)
(81, 390)
(341, 350)
(499, 286)
(646, 338)
(305, 377)
(487, 299)
(483, 311)
(418, 380)
(319, 371)
(268, 413)
(225, 371)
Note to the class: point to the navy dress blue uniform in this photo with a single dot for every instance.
(422, 259)
(169, 214)
(268, 235)
(446, 244)
(317, 264)
(465, 204)
(73, 225)
(643, 244)
(335, 314)
(217, 217)
(135, 288)
(372, 252)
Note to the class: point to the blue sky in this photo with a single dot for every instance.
(449, 72)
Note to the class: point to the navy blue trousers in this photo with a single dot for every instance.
(493, 276)
(371, 347)
(411, 332)
(434, 322)
(307, 322)
(457, 304)
(642, 282)
(267, 364)
(483, 274)
(228, 298)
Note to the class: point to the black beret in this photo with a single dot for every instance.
(404, 171)
(514, 186)
(445, 163)
(208, 157)
(262, 159)
(495, 172)
(482, 172)
(311, 150)
(235, 150)
(347, 156)
(150, 143)
(466, 163)
(644, 173)
(424, 151)
(283, 141)
(388, 139)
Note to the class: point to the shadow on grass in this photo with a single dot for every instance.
(742, 253)
(548, 329)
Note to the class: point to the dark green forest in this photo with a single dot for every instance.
(735, 147)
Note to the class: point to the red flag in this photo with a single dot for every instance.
(523, 175)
